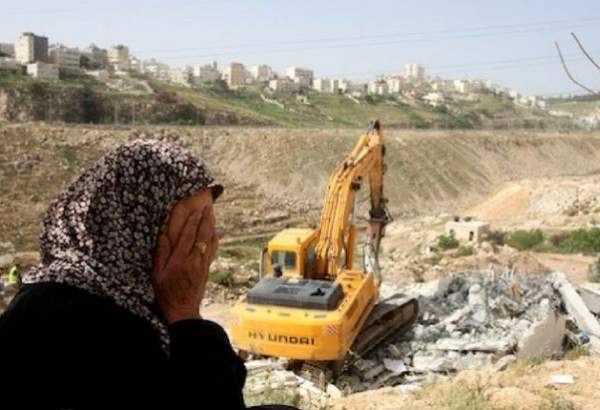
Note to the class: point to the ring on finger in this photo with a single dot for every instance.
(201, 246)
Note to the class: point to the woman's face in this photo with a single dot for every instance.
(201, 201)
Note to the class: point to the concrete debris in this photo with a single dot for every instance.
(590, 294)
(395, 366)
(268, 381)
(576, 307)
(473, 321)
(562, 379)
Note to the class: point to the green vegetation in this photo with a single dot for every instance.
(446, 242)
(525, 240)
(497, 237)
(582, 240)
(463, 251)
(465, 397)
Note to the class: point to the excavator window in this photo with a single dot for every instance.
(286, 259)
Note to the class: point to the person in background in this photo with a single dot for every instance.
(14, 276)
(110, 317)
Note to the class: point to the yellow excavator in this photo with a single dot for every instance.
(311, 304)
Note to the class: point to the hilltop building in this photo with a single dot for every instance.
(301, 76)
(43, 70)
(30, 48)
(414, 72)
(118, 58)
(206, 74)
(98, 56)
(235, 75)
(65, 58)
(262, 73)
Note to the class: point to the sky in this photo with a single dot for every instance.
(510, 42)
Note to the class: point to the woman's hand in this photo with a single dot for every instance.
(181, 270)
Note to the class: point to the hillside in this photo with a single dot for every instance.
(277, 177)
(137, 100)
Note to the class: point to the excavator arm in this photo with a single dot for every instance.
(337, 235)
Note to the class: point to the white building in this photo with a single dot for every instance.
(301, 76)
(284, 84)
(43, 71)
(65, 58)
(118, 58)
(434, 99)
(206, 74)
(180, 76)
(262, 73)
(395, 84)
(98, 56)
(156, 69)
(469, 231)
(100, 75)
(462, 86)
(235, 75)
(135, 64)
(322, 85)
(8, 49)
(30, 48)
(378, 87)
(414, 72)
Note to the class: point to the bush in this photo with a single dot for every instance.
(446, 242)
(558, 238)
(463, 251)
(497, 237)
(582, 240)
(525, 240)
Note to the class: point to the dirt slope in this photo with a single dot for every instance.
(277, 177)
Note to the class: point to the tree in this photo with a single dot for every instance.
(564, 64)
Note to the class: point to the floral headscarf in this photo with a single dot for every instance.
(100, 234)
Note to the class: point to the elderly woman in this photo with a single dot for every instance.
(110, 318)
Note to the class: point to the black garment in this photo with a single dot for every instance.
(62, 347)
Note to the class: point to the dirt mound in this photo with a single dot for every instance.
(522, 386)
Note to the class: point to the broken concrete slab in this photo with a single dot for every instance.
(575, 306)
(504, 362)
(372, 373)
(484, 345)
(590, 293)
(543, 338)
(395, 366)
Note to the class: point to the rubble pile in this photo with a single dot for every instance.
(474, 321)
(269, 382)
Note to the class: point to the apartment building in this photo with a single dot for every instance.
(65, 58)
(235, 75)
(30, 48)
(378, 87)
(180, 76)
(395, 84)
(98, 56)
(206, 74)
(302, 76)
(155, 69)
(10, 65)
(414, 72)
(262, 73)
(43, 70)
(118, 58)
(322, 85)
(284, 84)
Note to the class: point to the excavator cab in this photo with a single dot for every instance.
(293, 250)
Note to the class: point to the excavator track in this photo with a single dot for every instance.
(390, 318)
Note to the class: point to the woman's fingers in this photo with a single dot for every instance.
(162, 253)
(186, 240)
